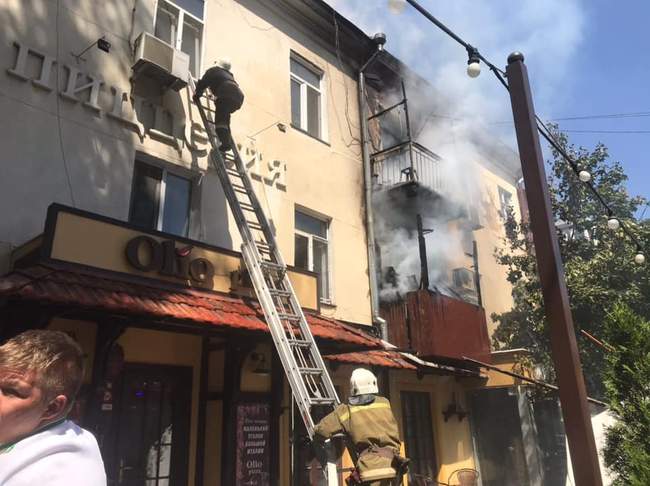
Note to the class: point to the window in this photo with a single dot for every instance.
(418, 434)
(160, 200)
(505, 202)
(180, 24)
(306, 98)
(311, 249)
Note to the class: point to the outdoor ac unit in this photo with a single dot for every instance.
(464, 279)
(158, 60)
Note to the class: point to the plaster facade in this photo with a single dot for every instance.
(77, 146)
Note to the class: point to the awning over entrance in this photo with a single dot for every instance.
(95, 290)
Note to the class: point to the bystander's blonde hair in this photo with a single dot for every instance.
(54, 357)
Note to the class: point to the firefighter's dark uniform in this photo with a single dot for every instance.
(229, 99)
(370, 424)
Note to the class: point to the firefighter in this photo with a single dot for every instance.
(229, 98)
(368, 422)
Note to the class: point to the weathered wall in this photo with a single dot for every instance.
(58, 150)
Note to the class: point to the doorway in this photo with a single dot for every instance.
(151, 439)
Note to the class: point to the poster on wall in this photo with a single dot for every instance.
(253, 442)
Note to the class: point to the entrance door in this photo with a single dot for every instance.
(153, 420)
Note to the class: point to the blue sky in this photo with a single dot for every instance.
(585, 57)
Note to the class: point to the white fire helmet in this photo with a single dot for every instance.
(362, 382)
(224, 63)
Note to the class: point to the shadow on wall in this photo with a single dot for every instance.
(67, 151)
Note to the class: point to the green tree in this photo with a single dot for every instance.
(627, 382)
(599, 263)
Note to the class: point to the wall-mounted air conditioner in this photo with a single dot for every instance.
(158, 60)
(464, 279)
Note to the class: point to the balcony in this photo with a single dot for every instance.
(406, 163)
(436, 326)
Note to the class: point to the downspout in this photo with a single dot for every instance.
(380, 40)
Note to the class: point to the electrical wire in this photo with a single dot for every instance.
(58, 106)
(628, 132)
(541, 127)
(609, 116)
(355, 140)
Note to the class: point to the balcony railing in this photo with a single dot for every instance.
(407, 162)
(437, 326)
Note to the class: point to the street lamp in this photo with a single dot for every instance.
(613, 223)
(639, 258)
(473, 62)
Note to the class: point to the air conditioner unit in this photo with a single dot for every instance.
(464, 279)
(158, 60)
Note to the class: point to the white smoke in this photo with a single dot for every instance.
(457, 108)
(548, 32)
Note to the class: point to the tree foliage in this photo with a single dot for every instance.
(598, 263)
(627, 383)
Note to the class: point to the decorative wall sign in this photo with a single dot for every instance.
(145, 118)
(166, 259)
(253, 444)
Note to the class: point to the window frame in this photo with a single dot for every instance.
(165, 170)
(503, 204)
(304, 84)
(311, 237)
(177, 36)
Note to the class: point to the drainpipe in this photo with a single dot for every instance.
(380, 40)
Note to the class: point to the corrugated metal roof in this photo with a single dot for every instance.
(97, 290)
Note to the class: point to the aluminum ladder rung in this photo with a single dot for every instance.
(280, 292)
(322, 401)
(254, 225)
(289, 317)
(239, 189)
(234, 172)
(273, 266)
(300, 343)
(310, 371)
(247, 207)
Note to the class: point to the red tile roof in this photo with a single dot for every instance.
(385, 359)
(98, 290)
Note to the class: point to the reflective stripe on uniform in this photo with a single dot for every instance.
(382, 473)
(361, 408)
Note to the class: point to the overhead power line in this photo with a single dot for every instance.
(608, 116)
(545, 133)
(607, 131)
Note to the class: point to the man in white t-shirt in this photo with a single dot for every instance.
(40, 374)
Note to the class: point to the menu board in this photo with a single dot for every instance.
(253, 442)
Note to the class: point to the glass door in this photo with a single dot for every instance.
(152, 427)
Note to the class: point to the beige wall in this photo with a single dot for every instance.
(86, 158)
(495, 288)
(452, 439)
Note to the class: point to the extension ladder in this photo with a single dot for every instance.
(303, 364)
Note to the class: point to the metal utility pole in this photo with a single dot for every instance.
(573, 395)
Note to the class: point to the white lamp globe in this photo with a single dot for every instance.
(396, 6)
(473, 69)
(584, 176)
(613, 224)
(639, 258)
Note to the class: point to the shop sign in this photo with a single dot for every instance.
(85, 88)
(253, 440)
(166, 259)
